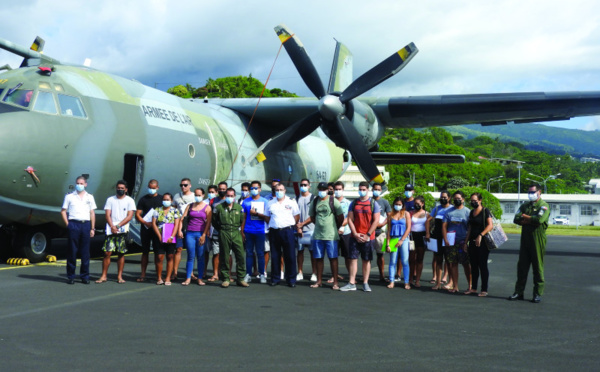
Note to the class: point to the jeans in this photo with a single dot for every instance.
(403, 249)
(255, 242)
(194, 250)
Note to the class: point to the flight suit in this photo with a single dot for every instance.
(533, 245)
(229, 222)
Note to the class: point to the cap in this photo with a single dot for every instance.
(322, 186)
(409, 187)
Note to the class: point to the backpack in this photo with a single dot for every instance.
(372, 206)
(331, 208)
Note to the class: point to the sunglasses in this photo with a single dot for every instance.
(254, 188)
(183, 185)
(304, 184)
(276, 180)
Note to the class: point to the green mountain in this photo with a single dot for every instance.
(536, 137)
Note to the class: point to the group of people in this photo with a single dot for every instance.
(254, 227)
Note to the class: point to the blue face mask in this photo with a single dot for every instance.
(229, 200)
(303, 188)
(408, 194)
(166, 203)
(79, 188)
(245, 194)
(362, 194)
(322, 194)
(198, 199)
(397, 207)
(376, 193)
(254, 192)
(211, 195)
(152, 191)
(280, 194)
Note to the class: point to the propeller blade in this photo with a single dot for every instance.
(295, 132)
(360, 153)
(301, 60)
(383, 71)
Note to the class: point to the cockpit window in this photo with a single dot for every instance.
(71, 106)
(44, 85)
(45, 103)
(59, 88)
(21, 97)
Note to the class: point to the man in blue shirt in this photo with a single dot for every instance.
(254, 231)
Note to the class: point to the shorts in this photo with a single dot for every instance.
(418, 237)
(180, 242)
(267, 244)
(344, 245)
(441, 249)
(463, 257)
(455, 255)
(149, 239)
(320, 247)
(115, 243)
(378, 243)
(364, 250)
(165, 248)
(214, 245)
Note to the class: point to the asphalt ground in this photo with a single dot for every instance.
(48, 325)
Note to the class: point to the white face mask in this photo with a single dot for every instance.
(245, 194)
(397, 207)
(79, 187)
(533, 196)
(376, 193)
(339, 193)
(152, 191)
(280, 194)
(362, 193)
(211, 195)
(322, 194)
(254, 192)
(198, 199)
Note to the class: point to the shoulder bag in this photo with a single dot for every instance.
(496, 237)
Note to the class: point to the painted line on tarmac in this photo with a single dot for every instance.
(74, 303)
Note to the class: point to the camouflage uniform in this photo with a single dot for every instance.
(533, 245)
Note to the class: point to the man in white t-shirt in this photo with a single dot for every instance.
(119, 210)
(181, 201)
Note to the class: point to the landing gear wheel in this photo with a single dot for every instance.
(33, 245)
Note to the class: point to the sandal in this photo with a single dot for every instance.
(482, 294)
(167, 283)
(101, 281)
(213, 279)
(121, 281)
(391, 285)
(141, 279)
(335, 288)
(194, 277)
(316, 285)
(330, 280)
(200, 282)
(406, 286)
(435, 288)
(187, 282)
(432, 281)
(160, 282)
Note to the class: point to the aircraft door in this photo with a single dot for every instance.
(133, 173)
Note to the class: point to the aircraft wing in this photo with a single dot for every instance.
(485, 109)
(385, 158)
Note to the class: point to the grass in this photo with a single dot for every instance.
(511, 228)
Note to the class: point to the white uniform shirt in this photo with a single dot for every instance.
(282, 214)
(118, 211)
(79, 208)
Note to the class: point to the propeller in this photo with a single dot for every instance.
(334, 110)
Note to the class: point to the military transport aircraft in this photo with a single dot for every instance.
(59, 121)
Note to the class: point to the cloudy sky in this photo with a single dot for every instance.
(465, 46)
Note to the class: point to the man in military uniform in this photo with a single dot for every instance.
(533, 217)
(228, 218)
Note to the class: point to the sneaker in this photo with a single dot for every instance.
(348, 287)
(366, 287)
(263, 279)
(397, 280)
(248, 278)
(299, 277)
(313, 278)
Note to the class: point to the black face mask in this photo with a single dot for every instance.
(120, 192)
(330, 192)
(457, 203)
(222, 194)
(474, 204)
(443, 201)
(418, 207)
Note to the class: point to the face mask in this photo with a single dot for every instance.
(79, 188)
(166, 203)
(457, 203)
(329, 192)
(280, 194)
(229, 200)
(322, 194)
(533, 196)
(254, 192)
(245, 194)
(221, 194)
(474, 204)
(362, 194)
(152, 191)
(376, 193)
(198, 199)
(408, 194)
(303, 188)
(397, 207)
(418, 207)
(443, 201)
(211, 195)
(120, 192)
(339, 193)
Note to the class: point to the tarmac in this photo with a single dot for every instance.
(48, 325)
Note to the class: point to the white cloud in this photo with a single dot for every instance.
(592, 125)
